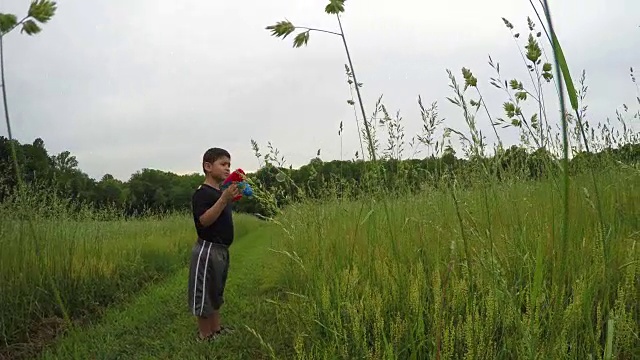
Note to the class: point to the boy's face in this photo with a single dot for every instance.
(219, 169)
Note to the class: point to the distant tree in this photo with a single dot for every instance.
(40, 12)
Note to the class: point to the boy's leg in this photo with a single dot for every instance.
(201, 274)
(214, 321)
(204, 327)
(220, 261)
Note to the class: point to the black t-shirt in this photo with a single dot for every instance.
(221, 231)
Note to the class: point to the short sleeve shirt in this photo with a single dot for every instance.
(221, 231)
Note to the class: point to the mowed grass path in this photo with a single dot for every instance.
(158, 324)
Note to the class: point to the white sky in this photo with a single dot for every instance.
(126, 84)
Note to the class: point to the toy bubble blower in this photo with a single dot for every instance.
(238, 176)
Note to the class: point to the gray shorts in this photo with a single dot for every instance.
(207, 277)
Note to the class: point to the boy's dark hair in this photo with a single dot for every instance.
(210, 156)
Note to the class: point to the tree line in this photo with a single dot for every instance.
(152, 191)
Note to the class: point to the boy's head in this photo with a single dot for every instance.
(216, 164)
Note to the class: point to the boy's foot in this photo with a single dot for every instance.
(201, 338)
(213, 336)
(224, 330)
(209, 337)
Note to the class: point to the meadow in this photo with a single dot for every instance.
(54, 254)
(477, 273)
(484, 275)
(498, 259)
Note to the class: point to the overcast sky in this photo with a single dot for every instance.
(126, 84)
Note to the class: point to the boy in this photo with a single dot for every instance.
(210, 254)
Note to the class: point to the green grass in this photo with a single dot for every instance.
(335, 286)
(88, 262)
(158, 324)
(480, 268)
(491, 284)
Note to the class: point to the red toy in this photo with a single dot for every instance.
(238, 176)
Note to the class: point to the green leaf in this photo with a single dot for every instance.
(533, 50)
(42, 10)
(335, 7)
(7, 22)
(518, 110)
(30, 27)
(301, 39)
(562, 63)
(509, 109)
(534, 118)
(469, 79)
(516, 85)
(281, 29)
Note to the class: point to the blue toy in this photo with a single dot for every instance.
(238, 177)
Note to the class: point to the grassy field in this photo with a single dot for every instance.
(488, 278)
(475, 268)
(83, 261)
(158, 325)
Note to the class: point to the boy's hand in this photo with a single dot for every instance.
(229, 193)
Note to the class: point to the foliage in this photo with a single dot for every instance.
(39, 13)
(152, 191)
(493, 241)
(358, 294)
(94, 258)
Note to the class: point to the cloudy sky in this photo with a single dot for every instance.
(126, 84)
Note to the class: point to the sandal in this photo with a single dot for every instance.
(225, 330)
(209, 337)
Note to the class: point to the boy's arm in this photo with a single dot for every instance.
(212, 213)
(206, 213)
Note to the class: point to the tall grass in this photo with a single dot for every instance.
(479, 267)
(93, 259)
(482, 264)
(467, 281)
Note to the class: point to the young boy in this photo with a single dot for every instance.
(210, 254)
